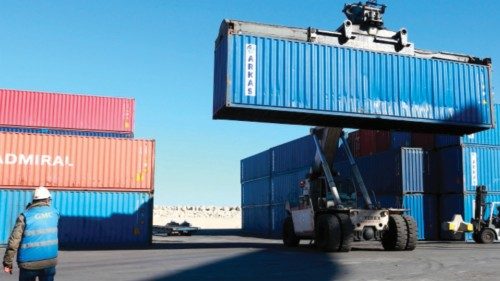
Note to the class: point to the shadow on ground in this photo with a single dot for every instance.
(264, 264)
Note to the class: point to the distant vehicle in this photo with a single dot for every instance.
(485, 226)
(174, 228)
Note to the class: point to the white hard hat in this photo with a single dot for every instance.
(41, 193)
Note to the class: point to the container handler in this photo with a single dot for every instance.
(321, 215)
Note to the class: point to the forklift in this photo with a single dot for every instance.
(320, 214)
(485, 225)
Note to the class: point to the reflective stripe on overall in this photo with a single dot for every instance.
(39, 240)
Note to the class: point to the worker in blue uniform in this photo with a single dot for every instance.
(34, 239)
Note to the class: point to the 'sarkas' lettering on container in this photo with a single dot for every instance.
(35, 159)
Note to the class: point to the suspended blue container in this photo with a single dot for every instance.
(273, 74)
(256, 166)
(422, 207)
(66, 132)
(256, 192)
(464, 167)
(256, 220)
(88, 218)
(488, 137)
(396, 171)
(463, 204)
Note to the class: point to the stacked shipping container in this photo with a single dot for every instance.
(268, 180)
(81, 148)
(466, 162)
(397, 178)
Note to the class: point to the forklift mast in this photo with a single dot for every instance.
(480, 203)
(325, 154)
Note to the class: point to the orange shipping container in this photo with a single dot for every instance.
(73, 162)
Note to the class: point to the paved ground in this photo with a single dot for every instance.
(227, 256)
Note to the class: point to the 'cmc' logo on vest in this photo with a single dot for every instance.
(42, 216)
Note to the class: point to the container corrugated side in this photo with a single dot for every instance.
(309, 83)
(66, 111)
(488, 137)
(292, 155)
(256, 166)
(66, 132)
(285, 186)
(72, 162)
(422, 207)
(278, 216)
(256, 220)
(467, 166)
(396, 171)
(256, 192)
(88, 218)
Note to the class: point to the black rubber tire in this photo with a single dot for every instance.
(290, 239)
(347, 232)
(395, 237)
(328, 233)
(412, 229)
(487, 236)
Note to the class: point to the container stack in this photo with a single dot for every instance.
(397, 179)
(268, 180)
(82, 149)
(464, 163)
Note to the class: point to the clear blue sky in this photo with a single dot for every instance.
(161, 53)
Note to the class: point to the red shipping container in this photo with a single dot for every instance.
(425, 141)
(76, 163)
(66, 111)
(362, 142)
(382, 141)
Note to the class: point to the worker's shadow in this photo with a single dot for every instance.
(264, 264)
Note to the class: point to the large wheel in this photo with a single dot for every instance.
(411, 228)
(486, 236)
(395, 237)
(290, 239)
(347, 232)
(328, 233)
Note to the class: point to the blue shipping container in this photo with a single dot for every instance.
(464, 167)
(256, 220)
(278, 216)
(422, 207)
(263, 76)
(396, 171)
(66, 132)
(463, 204)
(88, 219)
(488, 137)
(256, 166)
(256, 192)
(285, 187)
(292, 155)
